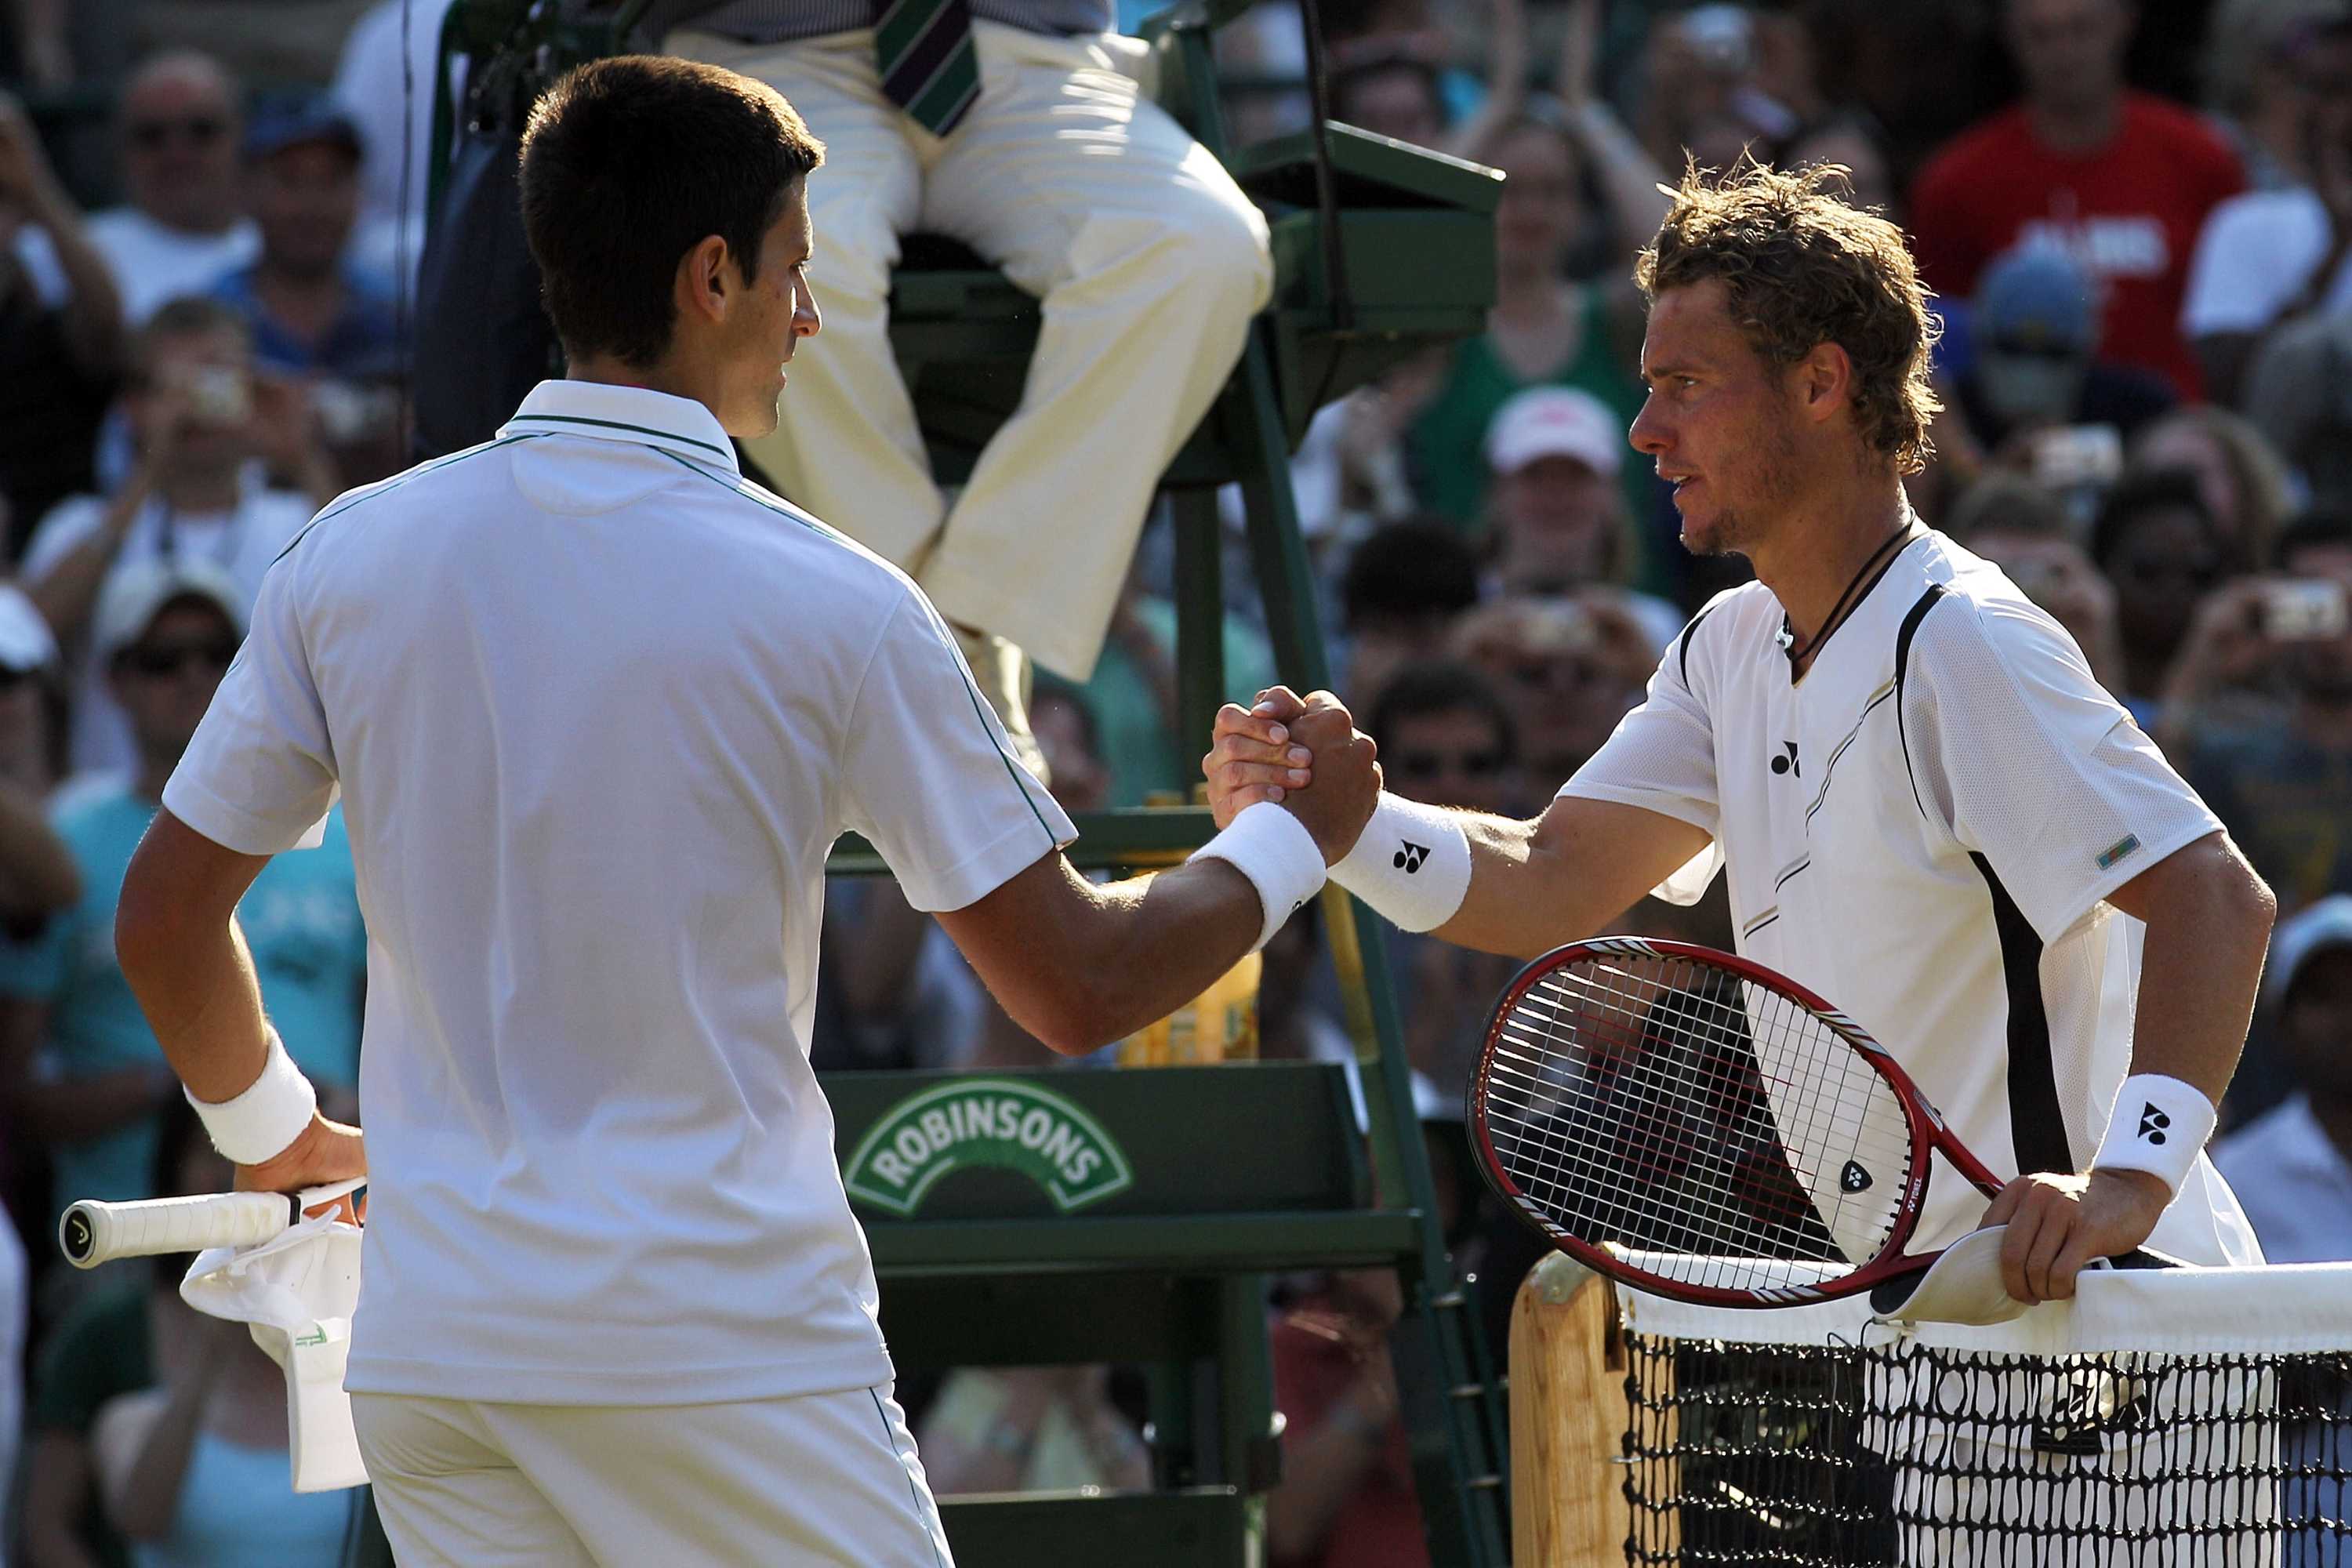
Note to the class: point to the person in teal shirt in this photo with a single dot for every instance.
(168, 630)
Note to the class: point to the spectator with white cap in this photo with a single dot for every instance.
(2291, 1166)
(165, 633)
(1559, 514)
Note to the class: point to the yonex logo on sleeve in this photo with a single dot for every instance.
(2152, 1124)
(2128, 845)
(1410, 856)
(1789, 765)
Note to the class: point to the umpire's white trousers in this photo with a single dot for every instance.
(824, 1479)
(1150, 263)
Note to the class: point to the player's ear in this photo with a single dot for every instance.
(1823, 381)
(704, 284)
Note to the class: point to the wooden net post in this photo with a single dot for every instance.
(1569, 1420)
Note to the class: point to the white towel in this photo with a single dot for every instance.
(297, 1293)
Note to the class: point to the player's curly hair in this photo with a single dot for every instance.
(1803, 268)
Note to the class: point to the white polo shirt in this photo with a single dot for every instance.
(1922, 831)
(598, 708)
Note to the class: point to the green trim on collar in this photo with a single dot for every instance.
(726, 452)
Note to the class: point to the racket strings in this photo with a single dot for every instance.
(1672, 1107)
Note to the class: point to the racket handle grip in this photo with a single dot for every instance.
(92, 1233)
(2141, 1258)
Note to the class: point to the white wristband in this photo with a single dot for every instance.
(2159, 1126)
(258, 1124)
(1411, 865)
(1275, 852)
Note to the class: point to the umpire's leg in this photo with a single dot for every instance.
(1150, 262)
(847, 445)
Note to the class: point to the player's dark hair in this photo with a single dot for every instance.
(1801, 268)
(2136, 495)
(1445, 685)
(2321, 528)
(1416, 566)
(627, 165)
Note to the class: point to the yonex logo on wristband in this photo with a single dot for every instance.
(1410, 856)
(2152, 1124)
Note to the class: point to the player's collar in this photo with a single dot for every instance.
(604, 412)
(1857, 589)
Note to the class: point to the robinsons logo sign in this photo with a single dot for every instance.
(995, 1121)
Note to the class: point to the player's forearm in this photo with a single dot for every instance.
(195, 980)
(1156, 943)
(1562, 877)
(2209, 924)
(1079, 966)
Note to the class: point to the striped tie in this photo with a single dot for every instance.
(924, 50)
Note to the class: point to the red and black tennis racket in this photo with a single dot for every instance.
(1712, 1119)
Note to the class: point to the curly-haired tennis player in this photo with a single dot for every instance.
(1925, 806)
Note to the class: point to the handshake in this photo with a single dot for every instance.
(1304, 754)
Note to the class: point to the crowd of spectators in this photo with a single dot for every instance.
(2138, 221)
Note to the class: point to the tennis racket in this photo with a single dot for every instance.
(92, 1233)
(1692, 1123)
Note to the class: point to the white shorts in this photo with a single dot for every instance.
(822, 1478)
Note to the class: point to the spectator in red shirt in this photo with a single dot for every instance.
(2120, 178)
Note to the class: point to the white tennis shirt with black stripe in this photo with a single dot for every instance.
(1924, 830)
(597, 708)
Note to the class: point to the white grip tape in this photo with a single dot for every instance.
(2160, 1126)
(92, 1233)
(1279, 857)
(1411, 864)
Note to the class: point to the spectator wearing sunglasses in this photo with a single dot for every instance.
(166, 632)
(178, 127)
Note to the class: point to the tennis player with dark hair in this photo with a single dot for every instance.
(598, 708)
(1928, 810)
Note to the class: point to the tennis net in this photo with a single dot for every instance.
(2173, 1419)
